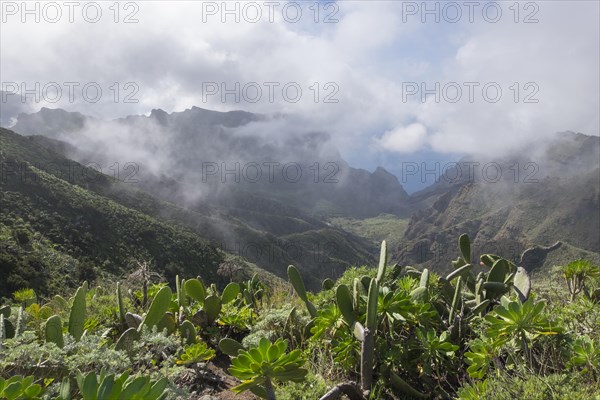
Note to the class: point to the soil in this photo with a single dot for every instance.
(212, 382)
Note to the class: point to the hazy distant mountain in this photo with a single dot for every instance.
(206, 161)
(12, 105)
(198, 156)
(86, 220)
(551, 195)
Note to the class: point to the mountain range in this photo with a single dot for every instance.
(200, 192)
(509, 205)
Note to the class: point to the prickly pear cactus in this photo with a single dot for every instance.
(53, 331)
(160, 305)
(187, 330)
(212, 307)
(230, 347)
(2, 331)
(5, 310)
(328, 284)
(230, 293)
(344, 302)
(120, 305)
(456, 300)
(126, 340)
(464, 243)
(522, 284)
(77, 315)
(195, 289)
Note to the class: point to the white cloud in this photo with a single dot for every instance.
(368, 55)
(404, 139)
(554, 61)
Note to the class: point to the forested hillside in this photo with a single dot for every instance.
(58, 230)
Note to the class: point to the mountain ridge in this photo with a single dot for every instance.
(216, 227)
(547, 195)
(560, 204)
(326, 175)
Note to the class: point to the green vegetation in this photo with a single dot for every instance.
(484, 331)
(578, 274)
(54, 234)
(63, 223)
(122, 387)
(195, 353)
(260, 366)
(17, 387)
(386, 227)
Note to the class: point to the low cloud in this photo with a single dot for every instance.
(353, 74)
(404, 139)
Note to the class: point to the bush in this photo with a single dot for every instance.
(531, 387)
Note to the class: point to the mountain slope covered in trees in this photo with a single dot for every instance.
(104, 225)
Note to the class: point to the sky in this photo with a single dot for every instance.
(392, 82)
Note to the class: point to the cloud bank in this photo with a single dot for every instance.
(388, 77)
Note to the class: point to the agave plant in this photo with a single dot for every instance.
(260, 366)
(196, 353)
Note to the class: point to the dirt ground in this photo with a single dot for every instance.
(212, 382)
